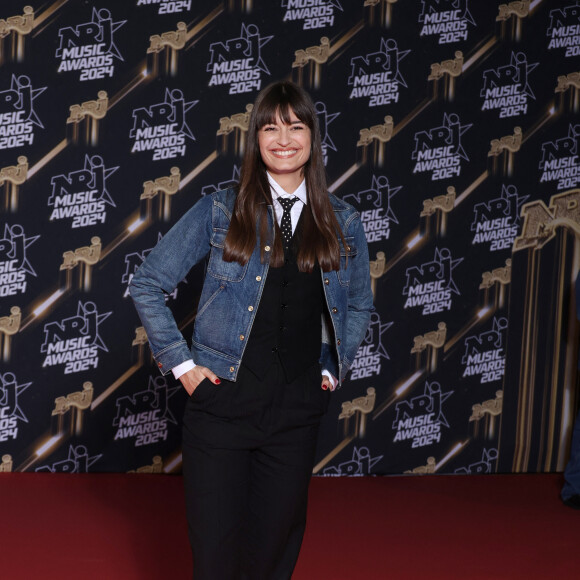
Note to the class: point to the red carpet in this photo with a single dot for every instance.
(131, 527)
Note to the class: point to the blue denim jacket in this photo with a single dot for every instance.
(231, 293)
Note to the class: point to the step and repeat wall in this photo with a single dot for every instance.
(451, 125)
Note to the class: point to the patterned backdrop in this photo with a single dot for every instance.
(451, 125)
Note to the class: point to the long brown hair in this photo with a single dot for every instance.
(320, 228)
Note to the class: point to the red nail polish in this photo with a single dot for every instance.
(217, 381)
(324, 386)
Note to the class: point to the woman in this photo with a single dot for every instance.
(285, 305)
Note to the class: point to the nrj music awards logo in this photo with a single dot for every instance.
(144, 416)
(439, 150)
(17, 116)
(167, 6)
(78, 461)
(10, 412)
(447, 19)
(374, 205)
(496, 222)
(238, 62)
(312, 13)
(371, 352)
(82, 196)
(421, 418)
(430, 286)
(559, 163)
(90, 47)
(162, 128)
(360, 464)
(507, 88)
(377, 75)
(14, 264)
(484, 354)
(75, 343)
(485, 465)
(564, 29)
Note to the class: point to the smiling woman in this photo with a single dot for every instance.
(285, 305)
(285, 149)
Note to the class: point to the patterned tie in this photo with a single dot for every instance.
(286, 223)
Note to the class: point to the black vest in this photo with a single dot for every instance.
(287, 325)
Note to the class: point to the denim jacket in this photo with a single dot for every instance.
(231, 292)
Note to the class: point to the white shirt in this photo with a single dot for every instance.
(277, 192)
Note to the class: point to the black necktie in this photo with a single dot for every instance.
(286, 223)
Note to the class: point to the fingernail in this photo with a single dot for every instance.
(324, 387)
(217, 381)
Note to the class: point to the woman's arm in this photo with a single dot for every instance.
(186, 243)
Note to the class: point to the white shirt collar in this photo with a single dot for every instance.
(278, 191)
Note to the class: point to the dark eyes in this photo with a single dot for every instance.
(275, 128)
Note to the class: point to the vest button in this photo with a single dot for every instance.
(338, 341)
(258, 278)
(334, 310)
(242, 337)
(326, 281)
(275, 349)
(250, 308)
(267, 248)
(232, 369)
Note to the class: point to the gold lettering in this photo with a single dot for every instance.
(363, 405)
(168, 185)
(540, 222)
(239, 121)
(10, 325)
(21, 24)
(80, 399)
(521, 9)
(317, 54)
(174, 39)
(435, 338)
(89, 255)
(15, 174)
(509, 143)
(95, 109)
(382, 133)
(443, 202)
(451, 67)
(499, 275)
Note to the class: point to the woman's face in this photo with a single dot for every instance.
(285, 149)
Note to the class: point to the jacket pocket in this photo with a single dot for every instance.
(230, 271)
(346, 254)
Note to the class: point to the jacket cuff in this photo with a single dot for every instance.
(172, 356)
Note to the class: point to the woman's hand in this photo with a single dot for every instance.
(326, 384)
(191, 379)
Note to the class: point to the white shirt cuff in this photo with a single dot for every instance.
(331, 378)
(182, 368)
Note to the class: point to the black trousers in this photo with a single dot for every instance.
(248, 454)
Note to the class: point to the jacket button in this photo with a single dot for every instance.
(258, 278)
(326, 281)
(250, 308)
(242, 337)
(267, 248)
(334, 310)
